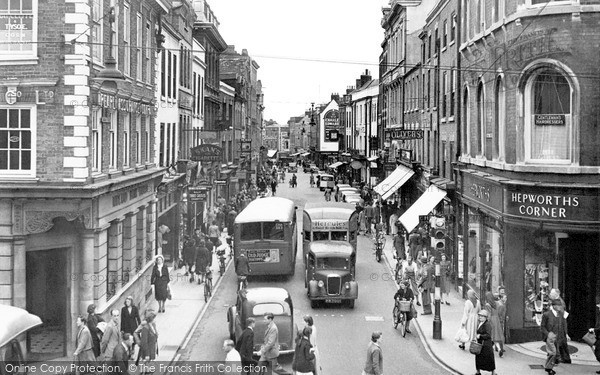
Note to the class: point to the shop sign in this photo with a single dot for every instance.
(356, 164)
(406, 155)
(220, 182)
(552, 204)
(331, 121)
(123, 104)
(245, 146)
(330, 224)
(196, 194)
(482, 191)
(401, 134)
(206, 153)
(549, 119)
(389, 166)
(39, 97)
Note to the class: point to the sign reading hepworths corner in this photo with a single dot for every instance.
(206, 153)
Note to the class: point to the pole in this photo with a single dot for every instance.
(437, 320)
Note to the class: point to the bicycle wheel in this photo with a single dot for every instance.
(395, 315)
(403, 324)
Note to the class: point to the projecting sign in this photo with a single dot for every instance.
(196, 194)
(206, 153)
(401, 134)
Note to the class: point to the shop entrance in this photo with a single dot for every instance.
(579, 253)
(46, 291)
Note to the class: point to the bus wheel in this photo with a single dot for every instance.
(314, 303)
(351, 303)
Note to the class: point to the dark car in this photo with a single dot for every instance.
(330, 273)
(254, 303)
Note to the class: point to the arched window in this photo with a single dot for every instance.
(548, 117)
(466, 118)
(499, 119)
(480, 127)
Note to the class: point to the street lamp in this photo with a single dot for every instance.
(110, 75)
(437, 319)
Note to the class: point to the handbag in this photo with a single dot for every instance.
(169, 296)
(462, 336)
(413, 311)
(589, 338)
(475, 347)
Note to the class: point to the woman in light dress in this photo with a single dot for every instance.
(469, 319)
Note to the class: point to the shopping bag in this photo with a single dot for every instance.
(589, 338)
(461, 336)
(475, 347)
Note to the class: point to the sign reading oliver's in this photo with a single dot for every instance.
(553, 204)
(401, 134)
(331, 121)
(206, 153)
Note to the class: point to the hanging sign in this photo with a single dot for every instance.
(206, 153)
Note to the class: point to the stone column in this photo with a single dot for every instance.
(129, 245)
(115, 257)
(100, 265)
(151, 230)
(141, 240)
(86, 279)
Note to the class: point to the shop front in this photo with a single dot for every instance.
(529, 239)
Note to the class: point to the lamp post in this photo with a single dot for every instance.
(437, 319)
(312, 124)
(110, 75)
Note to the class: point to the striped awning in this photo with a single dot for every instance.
(336, 164)
(423, 206)
(394, 181)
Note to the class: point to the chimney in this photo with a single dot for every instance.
(335, 97)
(349, 89)
(358, 84)
(364, 78)
(244, 52)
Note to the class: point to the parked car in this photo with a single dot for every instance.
(308, 167)
(330, 273)
(14, 325)
(351, 197)
(346, 190)
(254, 303)
(326, 180)
(314, 168)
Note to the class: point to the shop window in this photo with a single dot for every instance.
(548, 118)
(18, 25)
(539, 277)
(473, 241)
(17, 141)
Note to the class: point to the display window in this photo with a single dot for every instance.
(540, 262)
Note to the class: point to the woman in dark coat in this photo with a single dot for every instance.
(92, 323)
(485, 360)
(130, 316)
(160, 280)
(203, 256)
(147, 337)
(304, 354)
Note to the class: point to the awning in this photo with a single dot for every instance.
(336, 164)
(271, 153)
(295, 154)
(373, 158)
(305, 154)
(393, 182)
(373, 165)
(423, 206)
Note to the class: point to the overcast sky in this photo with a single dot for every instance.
(306, 49)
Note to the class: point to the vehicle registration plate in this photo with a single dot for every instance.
(333, 301)
(263, 255)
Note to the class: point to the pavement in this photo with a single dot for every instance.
(526, 358)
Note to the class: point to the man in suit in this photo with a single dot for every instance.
(111, 337)
(554, 330)
(269, 351)
(245, 346)
(374, 363)
(120, 356)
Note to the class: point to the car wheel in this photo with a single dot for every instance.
(314, 303)
(351, 303)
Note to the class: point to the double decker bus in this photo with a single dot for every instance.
(324, 221)
(265, 231)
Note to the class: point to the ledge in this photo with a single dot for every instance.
(531, 168)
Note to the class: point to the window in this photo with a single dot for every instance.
(97, 140)
(126, 139)
(126, 40)
(548, 114)
(273, 231)
(498, 119)
(429, 44)
(174, 76)
(436, 42)
(250, 231)
(466, 20)
(444, 93)
(17, 141)
(452, 90)
(112, 139)
(453, 28)
(480, 130)
(466, 121)
(18, 27)
(146, 125)
(138, 139)
(163, 73)
(480, 16)
(445, 37)
(115, 33)
(169, 73)
(260, 309)
(428, 88)
(146, 73)
(139, 43)
(96, 31)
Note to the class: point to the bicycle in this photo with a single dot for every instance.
(208, 285)
(221, 255)
(400, 314)
(242, 282)
(398, 270)
(379, 245)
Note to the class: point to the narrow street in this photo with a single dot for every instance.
(343, 333)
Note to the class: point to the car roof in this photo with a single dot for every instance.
(343, 186)
(267, 294)
(267, 209)
(14, 322)
(329, 210)
(329, 248)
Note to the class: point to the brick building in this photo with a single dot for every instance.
(77, 168)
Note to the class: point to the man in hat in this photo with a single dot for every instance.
(554, 329)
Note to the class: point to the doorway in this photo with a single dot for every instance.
(46, 291)
(579, 253)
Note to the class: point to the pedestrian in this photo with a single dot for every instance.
(189, 255)
(233, 360)
(427, 283)
(92, 324)
(213, 235)
(273, 186)
(146, 336)
(160, 280)
(231, 215)
(245, 346)
(555, 295)
(485, 359)
(376, 213)
(130, 318)
(374, 363)
(409, 273)
(393, 219)
(554, 329)
(385, 216)
(111, 337)
(304, 354)
(327, 194)
(120, 357)
(362, 222)
(269, 351)
(445, 285)
(469, 319)
(84, 354)
(369, 214)
(202, 261)
(494, 319)
(400, 253)
(309, 322)
(503, 317)
(414, 243)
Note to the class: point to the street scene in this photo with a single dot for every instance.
(318, 187)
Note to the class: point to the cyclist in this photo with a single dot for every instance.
(242, 268)
(312, 179)
(405, 294)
